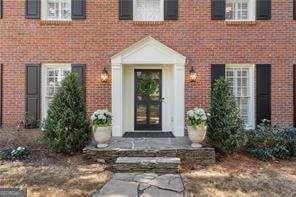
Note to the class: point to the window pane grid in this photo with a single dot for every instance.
(54, 78)
(58, 9)
(148, 10)
(239, 78)
(237, 9)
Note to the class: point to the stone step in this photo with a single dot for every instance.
(179, 147)
(147, 164)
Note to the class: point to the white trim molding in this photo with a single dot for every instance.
(149, 51)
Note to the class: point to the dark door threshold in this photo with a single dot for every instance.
(152, 134)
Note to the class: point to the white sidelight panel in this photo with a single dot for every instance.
(117, 101)
(179, 72)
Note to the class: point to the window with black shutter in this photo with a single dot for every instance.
(57, 10)
(241, 10)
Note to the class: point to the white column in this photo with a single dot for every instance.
(179, 72)
(117, 86)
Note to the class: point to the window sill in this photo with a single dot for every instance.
(56, 22)
(148, 22)
(246, 22)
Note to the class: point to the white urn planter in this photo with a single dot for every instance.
(197, 135)
(102, 136)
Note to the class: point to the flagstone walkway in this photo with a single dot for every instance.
(142, 185)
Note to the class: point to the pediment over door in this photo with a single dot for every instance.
(148, 51)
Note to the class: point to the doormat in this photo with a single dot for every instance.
(148, 135)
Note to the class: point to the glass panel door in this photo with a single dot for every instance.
(148, 99)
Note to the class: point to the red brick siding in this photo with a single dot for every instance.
(94, 40)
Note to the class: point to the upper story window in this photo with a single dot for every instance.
(148, 10)
(56, 9)
(240, 10)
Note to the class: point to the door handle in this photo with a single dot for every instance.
(162, 99)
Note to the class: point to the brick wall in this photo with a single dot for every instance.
(94, 40)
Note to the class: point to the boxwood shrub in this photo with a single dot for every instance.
(267, 142)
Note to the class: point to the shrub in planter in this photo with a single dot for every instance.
(225, 127)
(197, 126)
(66, 128)
(267, 141)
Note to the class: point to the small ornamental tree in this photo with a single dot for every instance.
(66, 128)
(225, 127)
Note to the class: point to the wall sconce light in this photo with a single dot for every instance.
(193, 75)
(104, 76)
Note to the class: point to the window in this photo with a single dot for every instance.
(52, 75)
(56, 9)
(148, 10)
(240, 10)
(241, 78)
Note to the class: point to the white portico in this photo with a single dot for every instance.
(147, 56)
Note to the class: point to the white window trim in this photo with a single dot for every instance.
(251, 11)
(161, 12)
(44, 68)
(44, 12)
(252, 84)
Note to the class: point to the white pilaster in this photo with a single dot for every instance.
(117, 104)
(179, 91)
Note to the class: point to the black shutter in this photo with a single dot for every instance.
(1, 8)
(218, 9)
(294, 93)
(80, 70)
(33, 95)
(126, 9)
(294, 9)
(171, 9)
(1, 94)
(33, 9)
(263, 9)
(78, 9)
(217, 71)
(263, 97)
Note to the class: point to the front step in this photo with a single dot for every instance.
(151, 147)
(160, 165)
